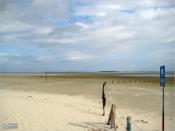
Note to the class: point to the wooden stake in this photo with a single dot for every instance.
(112, 117)
(103, 98)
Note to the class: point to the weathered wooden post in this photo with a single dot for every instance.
(103, 98)
(109, 118)
(128, 124)
(112, 117)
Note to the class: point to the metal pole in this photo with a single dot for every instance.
(128, 125)
(163, 109)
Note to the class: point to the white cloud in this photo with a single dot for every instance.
(9, 58)
(81, 24)
(148, 14)
(44, 30)
(15, 25)
(3, 57)
(48, 58)
(78, 56)
(4, 54)
(100, 10)
(153, 13)
(56, 8)
(113, 32)
(114, 6)
(100, 14)
(56, 41)
(122, 31)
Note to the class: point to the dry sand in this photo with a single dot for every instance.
(73, 103)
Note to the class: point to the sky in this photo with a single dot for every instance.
(87, 35)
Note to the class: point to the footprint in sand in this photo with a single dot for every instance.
(30, 97)
(46, 100)
(138, 121)
(143, 121)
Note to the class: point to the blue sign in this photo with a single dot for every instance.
(162, 75)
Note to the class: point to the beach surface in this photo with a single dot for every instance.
(72, 102)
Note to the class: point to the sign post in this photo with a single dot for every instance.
(162, 83)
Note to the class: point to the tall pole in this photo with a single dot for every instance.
(1, 73)
(162, 83)
(163, 127)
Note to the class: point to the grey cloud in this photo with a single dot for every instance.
(120, 33)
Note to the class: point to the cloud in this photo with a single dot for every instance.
(78, 56)
(158, 12)
(15, 26)
(81, 24)
(110, 35)
(6, 58)
(44, 30)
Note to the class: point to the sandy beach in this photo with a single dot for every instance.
(87, 65)
(73, 102)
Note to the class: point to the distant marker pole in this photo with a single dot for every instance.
(1, 73)
(162, 84)
(45, 76)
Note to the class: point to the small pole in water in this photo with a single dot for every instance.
(46, 76)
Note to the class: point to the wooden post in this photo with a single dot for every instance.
(112, 117)
(109, 118)
(103, 98)
(128, 124)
